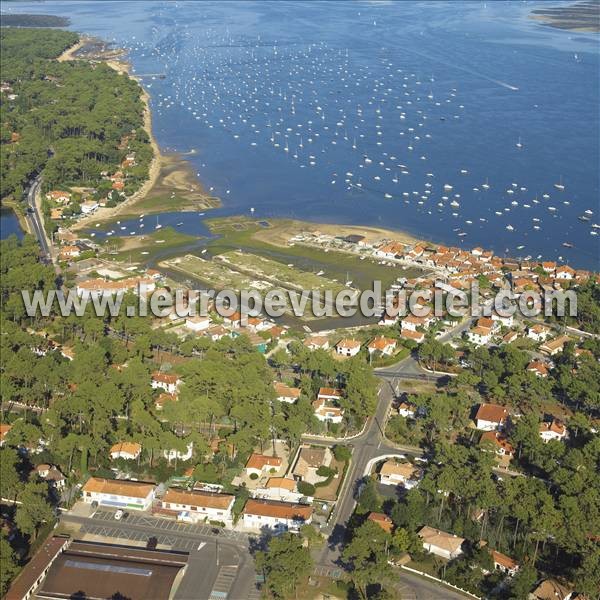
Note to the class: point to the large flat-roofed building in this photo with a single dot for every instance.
(119, 493)
(78, 569)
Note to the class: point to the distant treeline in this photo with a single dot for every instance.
(33, 21)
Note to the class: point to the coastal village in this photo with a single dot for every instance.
(435, 453)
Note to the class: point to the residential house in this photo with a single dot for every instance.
(261, 463)
(504, 321)
(326, 393)
(491, 417)
(538, 332)
(480, 336)
(69, 252)
(348, 347)
(382, 520)
(126, 450)
(197, 506)
(165, 381)
(504, 563)
(549, 266)
(89, 206)
(286, 393)
(317, 342)
(412, 322)
(233, 321)
(415, 336)
(564, 272)
(120, 493)
(197, 323)
(59, 196)
(551, 589)
(552, 430)
(174, 454)
(510, 337)
(4, 429)
(555, 346)
(282, 489)
(405, 474)
(440, 543)
(326, 411)
(386, 346)
(498, 441)
(407, 410)
(52, 475)
(272, 515)
(163, 398)
(310, 458)
(538, 368)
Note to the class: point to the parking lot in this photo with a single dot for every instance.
(164, 527)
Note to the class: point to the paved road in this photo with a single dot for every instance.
(34, 219)
(219, 566)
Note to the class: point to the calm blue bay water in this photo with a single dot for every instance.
(9, 224)
(453, 121)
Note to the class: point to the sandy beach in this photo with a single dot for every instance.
(166, 174)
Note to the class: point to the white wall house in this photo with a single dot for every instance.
(197, 323)
(197, 506)
(165, 381)
(347, 347)
(173, 454)
(126, 450)
(491, 417)
(446, 545)
(119, 493)
(278, 516)
(552, 430)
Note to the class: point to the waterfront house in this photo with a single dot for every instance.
(564, 272)
(491, 417)
(89, 206)
(197, 506)
(440, 543)
(119, 493)
(259, 515)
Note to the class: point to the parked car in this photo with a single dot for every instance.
(119, 515)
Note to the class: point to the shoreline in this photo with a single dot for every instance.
(154, 168)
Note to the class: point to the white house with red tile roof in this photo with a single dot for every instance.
(498, 441)
(261, 463)
(126, 450)
(348, 347)
(259, 515)
(446, 545)
(197, 323)
(286, 393)
(504, 563)
(326, 411)
(199, 505)
(317, 342)
(119, 493)
(327, 393)
(552, 430)
(538, 332)
(564, 272)
(415, 336)
(538, 368)
(490, 417)
(382, 344)
(165, 381)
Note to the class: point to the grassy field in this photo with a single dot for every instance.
(238, 233)
(263, 268)
(142, 248)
